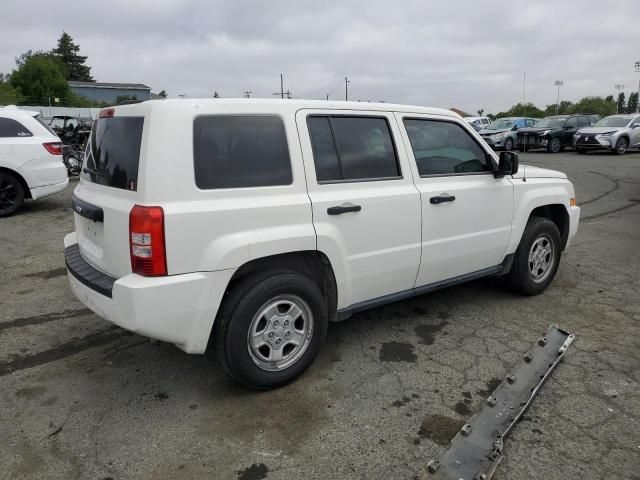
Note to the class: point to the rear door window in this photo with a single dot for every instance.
(113, 154)
(349, 148)
(583, 121)
(238, 151)
(12, 128)
(445, 148)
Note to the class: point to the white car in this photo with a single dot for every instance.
(478, 123)
(247, 225)
(30, 160)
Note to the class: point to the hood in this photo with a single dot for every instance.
(596, 130)
(485, 131)
(537, 172)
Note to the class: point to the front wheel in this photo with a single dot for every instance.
(508, 144)
(270, 329)
(537, 258)
(11, 194)
(554, 145)
(621, 146)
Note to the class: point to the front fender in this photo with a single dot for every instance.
(534, 193)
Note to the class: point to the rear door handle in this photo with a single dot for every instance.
(344, 208)
(445, 197)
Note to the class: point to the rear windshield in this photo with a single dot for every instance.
(113, 153)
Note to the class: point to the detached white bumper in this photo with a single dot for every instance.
(179, 309)
(574, 220)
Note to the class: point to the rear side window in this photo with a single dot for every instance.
(236, 151)
(584, 121)
(12, 128)
(352, 148)
(45, 125)
(444, 148)
(114, 152)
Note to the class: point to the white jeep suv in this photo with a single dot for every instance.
(245, 226)
(30, 160)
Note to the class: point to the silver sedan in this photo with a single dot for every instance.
(616, 133)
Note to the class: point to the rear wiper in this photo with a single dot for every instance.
(92, 171)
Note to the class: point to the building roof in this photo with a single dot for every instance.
(129, 86)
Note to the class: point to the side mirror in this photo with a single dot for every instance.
(508, 164)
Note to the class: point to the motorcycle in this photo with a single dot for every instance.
(72, 157)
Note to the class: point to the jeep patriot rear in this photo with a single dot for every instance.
(244, 226)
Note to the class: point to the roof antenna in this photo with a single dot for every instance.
(524, 160)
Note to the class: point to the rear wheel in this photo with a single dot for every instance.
(11, 194)
(554, 145)
(270, 328)
(621, 146)
(537, 258)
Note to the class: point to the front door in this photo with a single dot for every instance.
(366, 209)
(466, 212)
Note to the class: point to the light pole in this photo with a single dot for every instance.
(558, 84)
(637, 67)
(619, 87)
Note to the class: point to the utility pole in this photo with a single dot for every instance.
(247, 94)
(558, 84)
(327, 96)
(281, 86)
(524, 89)
(618, 87)
(637, 67)
(346, 88)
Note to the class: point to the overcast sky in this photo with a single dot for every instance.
(468, 54)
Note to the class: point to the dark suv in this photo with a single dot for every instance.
(554, 133)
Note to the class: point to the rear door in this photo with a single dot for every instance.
(107, 191)
(570, 127)
(466, 212)
(366, 209)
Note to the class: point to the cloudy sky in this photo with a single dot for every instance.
(470, 54)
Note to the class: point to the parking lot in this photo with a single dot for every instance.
(80, 398)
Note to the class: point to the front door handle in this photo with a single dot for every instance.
(445, 197)
(344, 208)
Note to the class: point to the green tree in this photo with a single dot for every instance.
(595, 105)
(622, 106)
(565, 108)
(40, 79)
(68, 52)
(632, 104)
(522, 110)
(9, 95)
(163, 94)
(120, 99)
(480, 112)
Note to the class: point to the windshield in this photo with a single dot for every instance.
(613, 122)
(502, 124)
(550, 122)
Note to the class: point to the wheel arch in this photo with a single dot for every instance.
(20, 178)
(558, 214)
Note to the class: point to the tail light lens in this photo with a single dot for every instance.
(54, 148)
(146, 239)
(106, 113)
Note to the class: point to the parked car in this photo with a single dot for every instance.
(30, 160)
(616, 133)
(245, 226)
(478, 123)
(501, 134)
(553, 133)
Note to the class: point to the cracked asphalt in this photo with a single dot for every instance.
(81, 399)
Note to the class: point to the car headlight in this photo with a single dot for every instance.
(607, 134)
(498, 136)
(544, 132)
(577, 134)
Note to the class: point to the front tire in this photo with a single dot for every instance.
(11, 194)
(537, 258)
(270, 329)
(621, 146)
(554, 145)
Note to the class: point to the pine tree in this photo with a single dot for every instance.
(622, 106)
(632, 103)
(68, 51)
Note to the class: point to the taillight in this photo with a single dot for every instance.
(146, 241)
(54, 148)
(106, 113)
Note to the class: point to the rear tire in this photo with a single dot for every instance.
(537, 258)
(621, 146)
(11, 194)
(261, 320)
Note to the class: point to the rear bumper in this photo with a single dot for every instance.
(46, 190)
(179, 309)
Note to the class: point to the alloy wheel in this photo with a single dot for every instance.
(541, 258)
